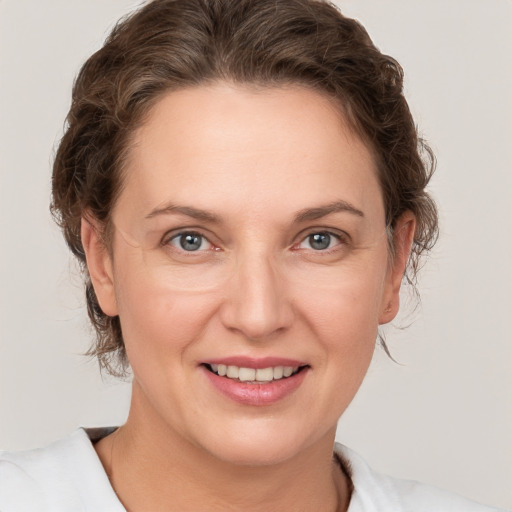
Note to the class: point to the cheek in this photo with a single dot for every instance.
(343, 317)
(344, 321)
(346, 326)
(159, 320)
(347, 304)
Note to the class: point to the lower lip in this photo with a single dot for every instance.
(266, 393)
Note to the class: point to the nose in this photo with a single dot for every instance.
(257, 305)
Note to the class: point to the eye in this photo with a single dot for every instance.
(190, 242)
(320, 241)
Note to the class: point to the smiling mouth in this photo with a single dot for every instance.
(252, 375)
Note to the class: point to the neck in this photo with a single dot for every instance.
(152, 467)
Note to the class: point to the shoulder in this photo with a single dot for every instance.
(66, 475)
(375, 492)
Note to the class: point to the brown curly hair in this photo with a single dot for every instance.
(173, 44)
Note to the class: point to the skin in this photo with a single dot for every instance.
(256, 159)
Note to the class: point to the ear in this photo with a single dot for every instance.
(99, 264)
(403, 237)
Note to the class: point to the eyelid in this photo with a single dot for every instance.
(175, 233)
(339, 234)
(331, 237)
(342, 236)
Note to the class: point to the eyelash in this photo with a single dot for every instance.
(168, 241)
(342, 240)
(331, 236)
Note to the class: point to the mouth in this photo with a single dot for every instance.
(262, 381)
(254, 375)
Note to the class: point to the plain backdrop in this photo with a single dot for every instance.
(444, 415)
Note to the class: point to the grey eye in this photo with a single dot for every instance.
(319, 241)
(189, 241)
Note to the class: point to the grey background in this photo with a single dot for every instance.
(444, 416)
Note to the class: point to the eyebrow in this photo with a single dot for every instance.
(304, 215)
(323, 211)
(195, 213)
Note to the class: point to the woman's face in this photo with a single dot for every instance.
(249, 234)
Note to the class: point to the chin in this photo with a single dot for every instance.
(251, 453)
(261, 445)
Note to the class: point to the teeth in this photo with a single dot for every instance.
(232, 372)
(246, 374)
(253, 375)
(264, 374)
(278, 372)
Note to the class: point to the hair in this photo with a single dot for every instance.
(173, 44)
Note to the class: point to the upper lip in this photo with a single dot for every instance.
(256, 363)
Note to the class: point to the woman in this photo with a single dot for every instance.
(243, 184)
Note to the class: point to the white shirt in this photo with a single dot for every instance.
(67, 476)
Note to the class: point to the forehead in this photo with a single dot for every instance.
(262, 145)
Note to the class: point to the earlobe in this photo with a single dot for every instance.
(99, 264)
(403, 238)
